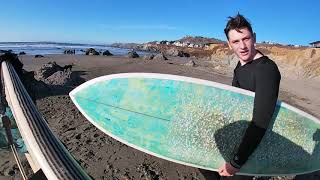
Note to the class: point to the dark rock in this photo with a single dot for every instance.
(148, 57)
(160, 56)
(230, 60)
(22, 53)
(183, 54)
(69, 51)
(14, 60)
(58, 78)
(47, 70)
(176, 52)
(53, 74)
(171, 52)
(38, 56)
(107, 53)
(126, 45)
(68, 67)
(133, 54)
(150, 173)
(92, 52)
(5, 51)
(191, 63)
(148, 47)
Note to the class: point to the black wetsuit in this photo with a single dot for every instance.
(262, 77)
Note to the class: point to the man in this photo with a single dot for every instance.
(254, 72)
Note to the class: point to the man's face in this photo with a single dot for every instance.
(242, 43)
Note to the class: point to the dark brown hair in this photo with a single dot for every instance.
(236, 23)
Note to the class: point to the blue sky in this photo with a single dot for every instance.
(108, 21)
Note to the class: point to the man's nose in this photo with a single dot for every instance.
(242, 45)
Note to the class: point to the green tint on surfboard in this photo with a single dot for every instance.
(196, 122)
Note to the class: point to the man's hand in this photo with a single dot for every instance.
(227, 170)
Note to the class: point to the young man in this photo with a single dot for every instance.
(254, 72)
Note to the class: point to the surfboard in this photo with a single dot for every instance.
(197, 122)
(45, 151)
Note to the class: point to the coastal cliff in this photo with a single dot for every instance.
(293, 62)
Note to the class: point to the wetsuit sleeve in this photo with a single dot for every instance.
(235, 82)
(267, 80)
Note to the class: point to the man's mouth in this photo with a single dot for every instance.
(244, 53)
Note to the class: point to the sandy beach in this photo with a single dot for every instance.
(104, 158)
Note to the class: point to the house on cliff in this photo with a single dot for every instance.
(315, 44)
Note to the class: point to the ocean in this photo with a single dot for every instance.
(43, 48)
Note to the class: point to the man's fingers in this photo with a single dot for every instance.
(224, 173)
(225, 170)
(221, 172)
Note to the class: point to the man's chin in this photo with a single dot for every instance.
(244, 59)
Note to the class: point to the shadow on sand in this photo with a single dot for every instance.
(275, 151)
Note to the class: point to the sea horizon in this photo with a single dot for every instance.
(48, 47)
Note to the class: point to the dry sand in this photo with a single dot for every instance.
(104, 158)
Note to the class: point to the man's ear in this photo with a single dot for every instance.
(254, 37)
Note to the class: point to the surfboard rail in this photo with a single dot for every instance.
(44, 147)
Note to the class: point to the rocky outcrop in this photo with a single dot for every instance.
(176, 52)
(92, 52)
(38, 56)
(191, 63)
(132, 54)
(148, 47)
(53, 74)
(230, 60)
(14, 60)
(126, 45)
(107, 53)
(47, 70)
(161, 57)
(59, 78)
(293, 62)
(199, 40)
(148, 57)
(69, 51)
(22, 53)
(5, 51)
